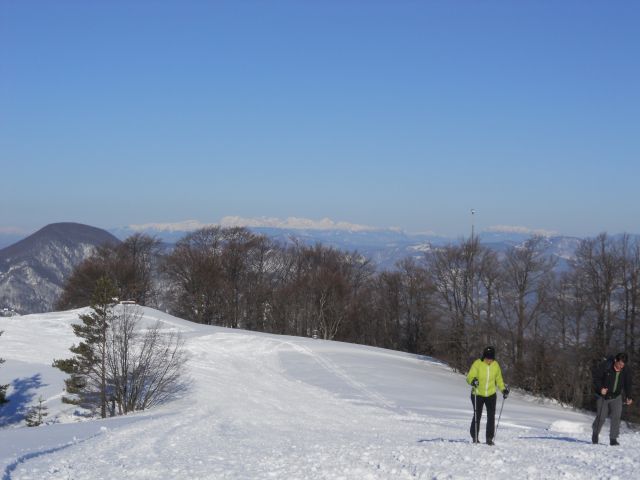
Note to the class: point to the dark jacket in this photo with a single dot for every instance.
(605, 377)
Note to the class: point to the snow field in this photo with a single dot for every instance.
(263, 406)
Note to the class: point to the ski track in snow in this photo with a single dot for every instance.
(247, 417)
(334, 369)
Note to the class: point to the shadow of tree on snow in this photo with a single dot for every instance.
(22, 394)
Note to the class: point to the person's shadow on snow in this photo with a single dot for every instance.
(560, 439)
(19, 400)
(440, 439)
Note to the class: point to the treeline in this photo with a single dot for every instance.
(549, 324)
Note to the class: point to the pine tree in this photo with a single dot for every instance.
(87, 368)
(3, 388)
(36, 414)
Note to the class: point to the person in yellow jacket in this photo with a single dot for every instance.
(484, 376)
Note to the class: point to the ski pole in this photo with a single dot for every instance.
(476, 420)
(601, 404)
(597, 420)
(495, 434)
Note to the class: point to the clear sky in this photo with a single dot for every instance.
(382, 113)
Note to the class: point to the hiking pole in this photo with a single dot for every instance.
(596, 422)
(476, 420)
(495, 434)
(598, 397)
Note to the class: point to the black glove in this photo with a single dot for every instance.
(505, 392)
(474, 382)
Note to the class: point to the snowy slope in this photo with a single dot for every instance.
(264, 406)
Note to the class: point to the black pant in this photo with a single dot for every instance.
(478, 402)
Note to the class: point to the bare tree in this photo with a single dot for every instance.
(195, 272)
(145, 366)
(329, 288)
(79, 288)
(240, 247)
(416, 308)
(598, 267)
(387, 319)
(135, 265)
(482, 271)
(523, 293)
(284, 302)
(130, 266)
(630, 292)
(453, 272)
(571, 366)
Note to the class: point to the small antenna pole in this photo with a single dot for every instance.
(473, 212)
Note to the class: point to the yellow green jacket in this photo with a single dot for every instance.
(488, 377)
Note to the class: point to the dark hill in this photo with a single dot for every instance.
(33, 270)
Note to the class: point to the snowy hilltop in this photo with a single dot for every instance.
(263, 406)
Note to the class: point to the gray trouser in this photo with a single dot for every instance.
(606, 407)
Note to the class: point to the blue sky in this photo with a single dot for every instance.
(382, 113)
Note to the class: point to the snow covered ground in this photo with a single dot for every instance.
(274, 407)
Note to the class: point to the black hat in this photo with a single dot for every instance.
(622, 356)
(490, 353)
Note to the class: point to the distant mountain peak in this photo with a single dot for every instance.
(33, 270)
(65, 232)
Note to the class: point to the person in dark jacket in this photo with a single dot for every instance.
(612, 384)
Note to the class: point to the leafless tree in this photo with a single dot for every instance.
(598, 267)
(453, 272)
(130, 265)
(79, 287)
(283, 304)
(572, 363)
(145, 364)
(417, 308)
(135, 266)
(523, 293)
(630, 291)
(387, 311)
(194, 269)
(331, 280)
(488, 275)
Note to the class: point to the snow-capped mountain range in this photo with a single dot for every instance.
(33, 270)
(385, 246)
